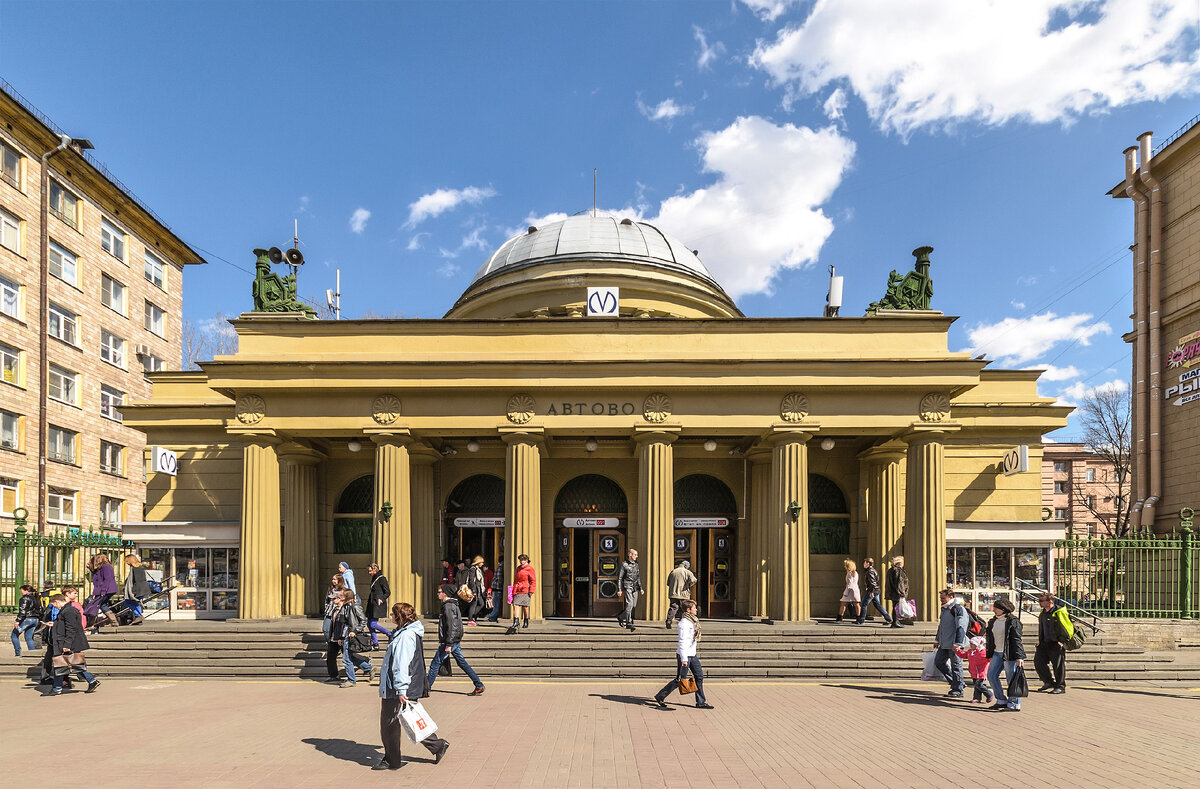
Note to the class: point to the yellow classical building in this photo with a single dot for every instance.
(593, 390)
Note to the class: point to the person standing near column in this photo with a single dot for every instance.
(629, 586)
(450, 633)
(687, 657)
(524, 584)
(897, 587)
(871, 592)
(679, 588)
(1050, 658)
(377, 604)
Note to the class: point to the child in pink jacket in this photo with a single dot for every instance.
(976, 656)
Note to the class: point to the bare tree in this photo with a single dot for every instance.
(1104, 416)
(205, 339)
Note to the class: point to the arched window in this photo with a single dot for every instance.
(591, 493)
(700, 494)
(828, 517)
(354, 517)
(481, 494)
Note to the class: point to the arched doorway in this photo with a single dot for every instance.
(705, 516)
(354, 518)
(590, 517)
(475, 519)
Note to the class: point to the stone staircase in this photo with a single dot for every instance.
(589, 649)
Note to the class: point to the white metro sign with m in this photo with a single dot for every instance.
(603, 302)
(164, 460)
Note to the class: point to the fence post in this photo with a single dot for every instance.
(19, 555)
(1185, 564)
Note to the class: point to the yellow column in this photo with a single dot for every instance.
(758, 564)
(789, 579)
(925, 520)
(427, 568)
(301, 587)
(885, 527)
(523, 510)
(655, 536)
(393, 535)
(261, 559)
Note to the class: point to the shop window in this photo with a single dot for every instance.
(64, 204)
(1031, 566)
(158, 560)
(64, 264)
(10, 298)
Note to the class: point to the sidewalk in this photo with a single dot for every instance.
(301, 733)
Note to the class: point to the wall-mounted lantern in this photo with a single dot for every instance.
(386, 510)
(794, 510)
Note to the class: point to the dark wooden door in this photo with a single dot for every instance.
(720, 573)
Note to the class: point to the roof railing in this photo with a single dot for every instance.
(1178, 133)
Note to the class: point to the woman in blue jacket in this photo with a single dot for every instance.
(401, 678)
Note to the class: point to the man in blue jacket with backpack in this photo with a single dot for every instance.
(951, 633)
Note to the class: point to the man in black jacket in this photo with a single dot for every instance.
(1050, 658)
(377, 604)
(629, 586)
(871, 592)
(450, 633)
(68, 642)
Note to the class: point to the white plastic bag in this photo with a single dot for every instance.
(906, 608)
(931, 672)
(416, 721)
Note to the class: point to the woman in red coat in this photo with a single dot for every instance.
(524, 585)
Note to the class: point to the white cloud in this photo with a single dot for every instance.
(1077, 392)
(762, 214)
(769, 10)
(358, 220)
(835, 105)
(708, 54)
(1017, 305)
(443, 200)
(931, 63)
(1015, 341)
(414, 243)
(1059, 373)
(666, 110)
(448, 269)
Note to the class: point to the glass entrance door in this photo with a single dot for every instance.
(587, 562)
(719, 567)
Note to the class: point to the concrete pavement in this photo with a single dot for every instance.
(300, 733)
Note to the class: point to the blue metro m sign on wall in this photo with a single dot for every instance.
(603, 302)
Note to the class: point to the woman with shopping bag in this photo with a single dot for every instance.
(401, 686)
(1006, 650)
(687, 659)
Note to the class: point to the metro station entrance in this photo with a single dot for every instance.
(590, 518)
(705, 517)
(475, 520)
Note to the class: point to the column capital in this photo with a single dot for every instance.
(921, 432)
(889, 452)
(758, 454)
(782, 434)
(262, 435)
(292, 452)
(389, 435)
(657, 434)
(422, 454)
(523, 435)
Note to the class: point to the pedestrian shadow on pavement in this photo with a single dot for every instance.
(883, 689)
(346, 750)
(638, 701)
(1124, 691)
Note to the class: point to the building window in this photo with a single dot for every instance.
(111, 458)
(110, 399)
(151, 363)
(1090, 474)
(112, 240)
(10, 298)
(61, 445)
(112, 294)
(63, 324)
(111, 512)
(10, 165)
(10, 430)
(10, 232)
(64, 264)
(1060, 514)
(112, 349)
(1060, 467)
(156, 272)
(60, 505)
(1060, 487)
(10, 364)
(10, 495)
(63, 204)
(154, 320)
(1089, 502)
(62, 384)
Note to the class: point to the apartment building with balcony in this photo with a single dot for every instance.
(113, 301)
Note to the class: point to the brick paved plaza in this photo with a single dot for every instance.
(304, 733)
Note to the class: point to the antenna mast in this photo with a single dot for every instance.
(594, 192)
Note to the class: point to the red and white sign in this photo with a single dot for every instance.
(592, 523)
(702, 523)
(479, 523)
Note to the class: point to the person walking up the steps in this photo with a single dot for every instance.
(524, 584)
(450, 633)
(104, 589)
(951, 637)
(629, 586)
(377, 604)
(686, 656)
(68, 643)
(401, 679)
(475, 582)
(870, 595)
(1050, 657)
(679, 588)
(897, 587)
(137, 586)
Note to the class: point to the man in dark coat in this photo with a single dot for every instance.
(377, 604)
(871, 592)
(68, 642)
(450, 633)
(629, 586)
(897, 587)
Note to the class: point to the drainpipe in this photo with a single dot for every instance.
(43, 330)
(1140, 410)
(1154, 305)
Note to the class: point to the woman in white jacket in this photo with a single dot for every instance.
(402, 678)
(686, 657)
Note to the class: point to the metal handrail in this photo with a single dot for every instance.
(1025, 589)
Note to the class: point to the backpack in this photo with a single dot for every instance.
(1076, 640)
(975, 624)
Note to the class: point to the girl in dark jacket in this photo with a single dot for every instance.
(29, 613)
(348, 621)
(1005, 649)
(377, 604)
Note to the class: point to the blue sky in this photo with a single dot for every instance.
(777, 137)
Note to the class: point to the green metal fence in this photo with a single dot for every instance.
(58, 558)
(1145, 576)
